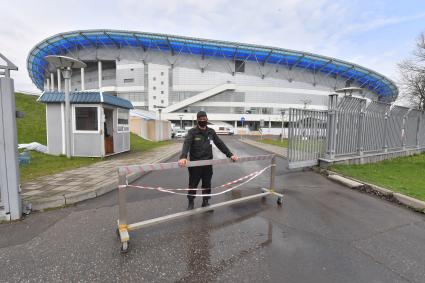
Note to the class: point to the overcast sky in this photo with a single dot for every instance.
(374, 34)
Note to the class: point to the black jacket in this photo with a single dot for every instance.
(199, 144)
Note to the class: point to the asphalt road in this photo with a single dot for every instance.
(323, 233)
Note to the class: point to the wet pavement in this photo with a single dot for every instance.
(322, 233)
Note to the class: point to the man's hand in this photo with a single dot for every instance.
(234, 158)
(182, 162)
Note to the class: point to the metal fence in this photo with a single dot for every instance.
(306, 136)
(352, 126)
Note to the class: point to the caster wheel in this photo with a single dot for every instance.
(279, 201)
(125, 247)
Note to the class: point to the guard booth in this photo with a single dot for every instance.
(99, 123)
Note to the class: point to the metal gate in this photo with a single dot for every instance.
(307, 137)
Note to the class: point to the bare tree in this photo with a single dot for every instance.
(412, 72)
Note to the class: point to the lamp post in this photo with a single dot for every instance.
(160, 121)
(282, 113)
(181, 122)
(66, 64)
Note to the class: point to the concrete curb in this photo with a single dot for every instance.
(384, 193)
(72, 198)
(259, 145)
(344, 181)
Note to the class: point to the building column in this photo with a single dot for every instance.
(99, 70)
(59, 80)
(70, 84)
(236, 124)
(82, 79)
(48, 84)
(52, 80)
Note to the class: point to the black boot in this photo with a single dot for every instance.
(205, 203)
(191, 204)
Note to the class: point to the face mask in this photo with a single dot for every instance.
(202, 123)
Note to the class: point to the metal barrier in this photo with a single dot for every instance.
(124, 227)
(306, 137)
(352, 127)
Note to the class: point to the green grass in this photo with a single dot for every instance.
(284, 143)
(137, 144)
(404, 175)
(44, 164)
(33, 128)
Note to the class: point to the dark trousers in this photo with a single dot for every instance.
(196, 174)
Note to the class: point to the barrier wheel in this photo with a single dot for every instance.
(125, 247)
(279, 201)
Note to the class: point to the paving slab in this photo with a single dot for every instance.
(79, 184)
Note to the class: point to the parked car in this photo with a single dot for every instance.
(181, 133)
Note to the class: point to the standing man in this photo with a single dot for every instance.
(198, 144)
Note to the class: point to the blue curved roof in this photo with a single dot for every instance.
(67, 42)
(84, 97)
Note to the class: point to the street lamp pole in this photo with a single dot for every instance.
(181, 122)
(66, 64)
(160, 124)
(282, 113)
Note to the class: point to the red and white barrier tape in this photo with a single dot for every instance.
(249, 177)
(172, 165)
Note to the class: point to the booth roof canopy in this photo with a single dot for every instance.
(68, 42)
(85, 98)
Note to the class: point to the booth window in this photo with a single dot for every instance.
(123, 117)
(86, 119)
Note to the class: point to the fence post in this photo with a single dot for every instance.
(404, 130)
(122, 200)
(360, 132)
(418, 130)
(385, 137)
(331, 127)
(10, 196)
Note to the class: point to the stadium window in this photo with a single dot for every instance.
(127, 81)
(162, 83)
(154, 97)
(162, 92)
(162, 73)
(239, 66)
(86, 119)
(154, 78)
(132, 69)
(162, 100)
(154, 88)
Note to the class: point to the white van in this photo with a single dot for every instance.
(222, 129)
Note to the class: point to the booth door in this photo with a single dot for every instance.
(108, 129)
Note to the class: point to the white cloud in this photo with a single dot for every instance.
(324, 27)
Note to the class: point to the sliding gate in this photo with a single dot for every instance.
(306, 137)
